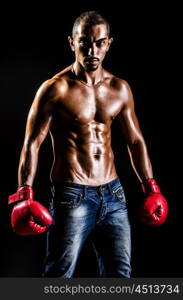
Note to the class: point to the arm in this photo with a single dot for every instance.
(37, 126)
(29, 217)
(154, 209)
(135, 141)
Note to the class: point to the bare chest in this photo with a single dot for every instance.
(84, 105)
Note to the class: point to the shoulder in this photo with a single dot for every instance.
(123, 90)
(120, 84)
(56, 82)
(53, 88)
(117, 83)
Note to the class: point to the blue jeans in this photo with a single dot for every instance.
(83, 210)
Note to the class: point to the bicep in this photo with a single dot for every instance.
(129, 123)
(37, 126)
(38, 120)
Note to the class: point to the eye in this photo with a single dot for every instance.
(100, 43)
(83, 43)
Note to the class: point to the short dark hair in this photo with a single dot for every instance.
(90, 18)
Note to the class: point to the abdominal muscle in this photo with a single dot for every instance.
(84, 158)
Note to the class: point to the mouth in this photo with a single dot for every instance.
(92, 61)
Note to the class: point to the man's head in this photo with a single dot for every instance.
(90, 39)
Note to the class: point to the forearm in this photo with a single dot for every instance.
(140, 160)
(28, 165)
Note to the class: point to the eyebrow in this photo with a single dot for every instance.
(85, 38)
(102, 39)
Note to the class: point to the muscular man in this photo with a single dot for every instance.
(77, 107)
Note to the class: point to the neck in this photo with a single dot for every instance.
(89, 78)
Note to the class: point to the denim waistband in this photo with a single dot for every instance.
(82, 187)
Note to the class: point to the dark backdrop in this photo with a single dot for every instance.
(146, 53)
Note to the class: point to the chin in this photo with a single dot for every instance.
(91, 68)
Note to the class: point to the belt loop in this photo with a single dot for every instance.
(110, 188)
(99, 190)
(85, 191)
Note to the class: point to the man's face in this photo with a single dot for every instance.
(90, 44)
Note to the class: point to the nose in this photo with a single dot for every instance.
(92, 50)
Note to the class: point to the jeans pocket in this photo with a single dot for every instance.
(70, 198)
(120, 195)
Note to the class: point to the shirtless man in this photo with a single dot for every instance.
(77, 107)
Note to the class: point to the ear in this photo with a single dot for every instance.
(109, 43)
(71, 42)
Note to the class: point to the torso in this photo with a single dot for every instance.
(81, 130)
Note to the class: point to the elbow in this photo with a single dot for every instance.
(137, 146)
(32, 144)
(137, 141)
(35, 145)
(30, 149)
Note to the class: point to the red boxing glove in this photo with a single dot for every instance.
(28, 217)
(154, 208)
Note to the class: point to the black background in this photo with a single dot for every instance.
(145, 52)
